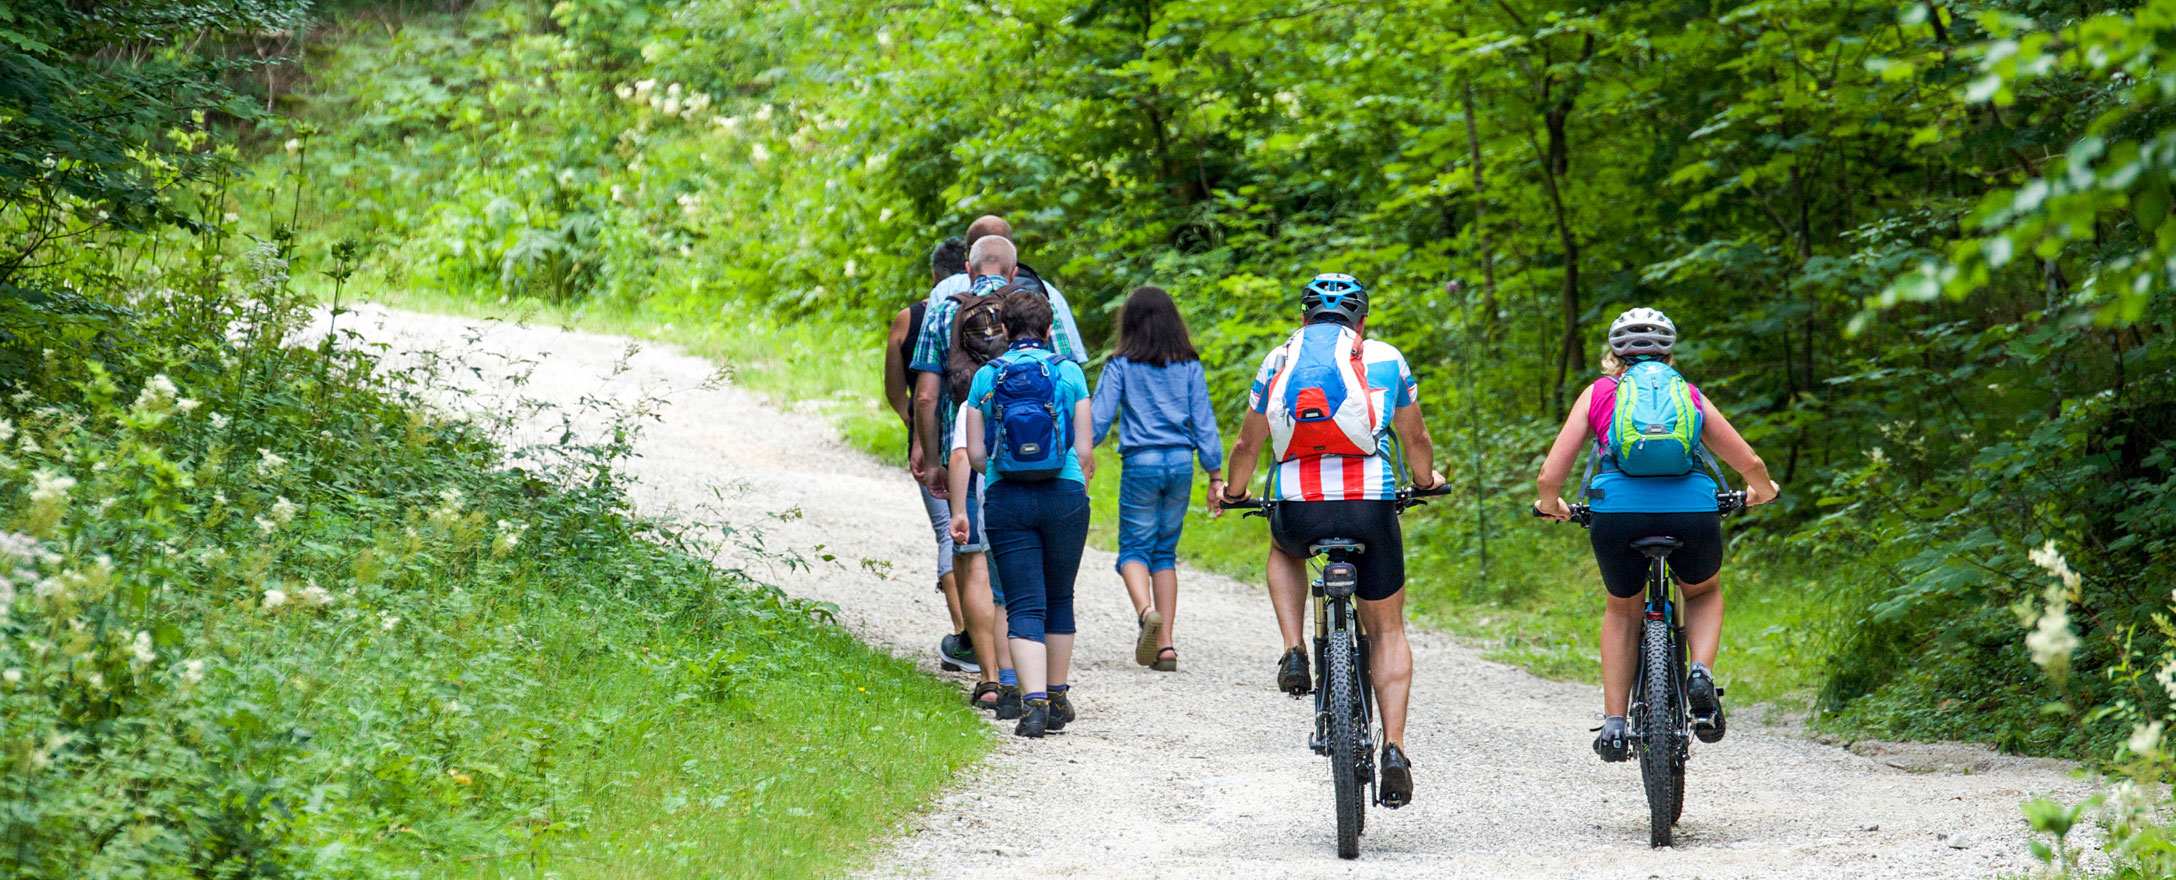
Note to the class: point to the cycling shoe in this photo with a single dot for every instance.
(1614, 743)
(1292, 677)
(1397, 783)
(1706, 702)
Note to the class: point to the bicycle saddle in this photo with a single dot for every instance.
(1657, 547)
(1329, 544)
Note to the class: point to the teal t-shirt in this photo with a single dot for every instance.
(1072, 388)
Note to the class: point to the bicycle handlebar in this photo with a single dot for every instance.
(1725, 502)
(1407, 498)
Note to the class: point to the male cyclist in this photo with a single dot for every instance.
(1628, 507)
(1340, 495)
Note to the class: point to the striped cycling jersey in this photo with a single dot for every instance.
(1346, 477)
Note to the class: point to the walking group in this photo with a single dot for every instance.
(988, 373)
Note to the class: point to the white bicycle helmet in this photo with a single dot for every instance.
(1642, 331)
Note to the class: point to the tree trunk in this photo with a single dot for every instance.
(1480, 217)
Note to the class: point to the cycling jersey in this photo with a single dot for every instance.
(1611, 491)
(1346, 477)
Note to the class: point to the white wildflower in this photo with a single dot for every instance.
(689, 203)
(2051, 641)
(884, 38)
(1877, 456)
(566, 177)
(283, 511)
(266, 526)
(156, 394)
(2145, 738)
(316, 596)
(625, 91)
(388, 622)
(274, 599)
(884, 216)
(187, 405)
(232, 217)
(48, 487)
(269, 462)
(140, 649)
(763, 114)
(852, 269)
(12, 676)
(192, 672)
(509, 538)
(729, 123)
(671, 107)
(673, 90)
(2051, 560)
(294, 145)
(619, 194)
(7, 430)
(643, 87)
(2166, 677)
(219, 421)
(760, 155)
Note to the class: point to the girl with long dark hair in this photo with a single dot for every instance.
(1154, 388)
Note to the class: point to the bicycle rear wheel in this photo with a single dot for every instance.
(1660, 772)
(1345, 757)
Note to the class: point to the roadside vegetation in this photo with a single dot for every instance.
(1921, 253)
(262, 615)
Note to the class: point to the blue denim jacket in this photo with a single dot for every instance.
(1155, 407)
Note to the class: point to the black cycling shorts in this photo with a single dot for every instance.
(1624, 570)
(1296, 524)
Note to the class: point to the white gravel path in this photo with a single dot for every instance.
(1205, 773)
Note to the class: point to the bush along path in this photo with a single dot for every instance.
(1205, 773)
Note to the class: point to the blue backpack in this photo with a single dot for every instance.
(1655, 428)
(1027, 435)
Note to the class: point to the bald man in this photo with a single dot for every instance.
(1065, 332)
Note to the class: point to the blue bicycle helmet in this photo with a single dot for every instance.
(1334, 294)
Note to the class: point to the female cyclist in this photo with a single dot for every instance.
(1628, 507)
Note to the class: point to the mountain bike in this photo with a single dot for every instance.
(1345, 730)
(1661, 723)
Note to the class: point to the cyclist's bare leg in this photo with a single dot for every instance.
(1390, 662)
(1288, 594)
(1167, 603)
(1620, 649)
(1703, 619)
(1136, 577)
(1058, 656)
(973, 587)
(950, 583)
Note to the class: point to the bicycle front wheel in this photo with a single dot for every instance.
(1660, 772)
(1345, 758)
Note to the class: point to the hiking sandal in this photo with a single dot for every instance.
(1144, 643)
(1166, 663)
(981, 688)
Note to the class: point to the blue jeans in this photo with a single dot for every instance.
(940, 521)
(1154, 489)
(1037, 531)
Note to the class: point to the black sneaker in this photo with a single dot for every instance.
(1396, 787)
(1706, 702)
(1292, 677)
(1034, 719)
(1061, 712)
(1008, 702)
(1614, 743)
(956, 653)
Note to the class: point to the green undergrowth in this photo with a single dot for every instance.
(266, 618)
